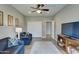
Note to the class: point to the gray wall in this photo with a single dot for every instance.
(9, 10)
(69, 14)
(42, 19)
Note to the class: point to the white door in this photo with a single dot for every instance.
(35, 27)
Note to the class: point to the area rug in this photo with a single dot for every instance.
(44, 47)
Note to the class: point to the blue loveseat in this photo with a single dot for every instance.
(26, 37)
(4, 49)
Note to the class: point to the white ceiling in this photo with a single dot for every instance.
(25, 9)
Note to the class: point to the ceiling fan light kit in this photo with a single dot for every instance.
(39, 11)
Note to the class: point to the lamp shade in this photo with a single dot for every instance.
(18, 30)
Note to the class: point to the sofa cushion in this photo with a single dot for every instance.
(12, 42)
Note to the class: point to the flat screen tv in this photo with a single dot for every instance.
(71, 29)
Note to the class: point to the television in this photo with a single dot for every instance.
(71, 29)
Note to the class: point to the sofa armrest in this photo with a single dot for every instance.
(20, 50)
(21, 42)
(14, 50)
(4, 52)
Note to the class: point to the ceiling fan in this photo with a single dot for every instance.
(39, 8)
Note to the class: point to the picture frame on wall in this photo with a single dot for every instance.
(1, 18)
(16, 22)
(10, 20)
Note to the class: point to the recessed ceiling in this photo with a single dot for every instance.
(26, 9)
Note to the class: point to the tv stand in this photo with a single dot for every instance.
(68, 44)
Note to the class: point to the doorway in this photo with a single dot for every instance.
(48, 30)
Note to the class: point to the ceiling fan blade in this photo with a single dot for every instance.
(33, 11)
(33, 8)
(45, 9)
(42, 5)
(38, 5)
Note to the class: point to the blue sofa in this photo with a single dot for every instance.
(4, 49)
(27, 38)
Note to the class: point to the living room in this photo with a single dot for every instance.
(19, 21)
